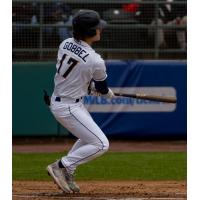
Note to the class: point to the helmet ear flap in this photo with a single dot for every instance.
(83, 31)
(91, 32)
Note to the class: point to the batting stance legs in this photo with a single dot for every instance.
(91, 142)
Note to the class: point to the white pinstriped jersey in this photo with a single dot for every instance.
(77, 64)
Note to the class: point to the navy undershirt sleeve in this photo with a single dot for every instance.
(101, 86)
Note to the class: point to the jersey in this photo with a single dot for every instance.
(77, 64)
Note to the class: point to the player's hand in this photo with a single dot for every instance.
(95, 93)
(110, 94)
(92, 90)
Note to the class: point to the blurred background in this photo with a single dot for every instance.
(144, 46)
(138, 29)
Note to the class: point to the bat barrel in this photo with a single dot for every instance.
(166, 99)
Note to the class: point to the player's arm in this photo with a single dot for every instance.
(100, 83)
(102, 88)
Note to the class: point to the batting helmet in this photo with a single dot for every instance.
(85, 23)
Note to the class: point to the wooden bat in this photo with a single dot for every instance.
(166, 99)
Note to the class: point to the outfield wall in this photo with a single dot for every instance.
(124, 117)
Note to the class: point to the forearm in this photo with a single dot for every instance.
(101, 86)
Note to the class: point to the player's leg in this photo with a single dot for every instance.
(91, 143)
(76, 145)
(66, 177)
(93, 139)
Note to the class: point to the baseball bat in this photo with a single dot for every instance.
(166, 99)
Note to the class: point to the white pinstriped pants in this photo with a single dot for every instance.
(91, 141)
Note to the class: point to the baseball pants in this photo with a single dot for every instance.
(91, 142)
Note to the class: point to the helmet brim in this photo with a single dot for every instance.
(102, 24)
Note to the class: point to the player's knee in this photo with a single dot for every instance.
(102, 144)
(105, 144)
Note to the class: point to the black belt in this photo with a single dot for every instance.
(59, 99)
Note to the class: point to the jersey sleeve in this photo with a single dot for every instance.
(59, 54)
(99, 73)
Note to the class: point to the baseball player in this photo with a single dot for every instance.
(78, 64)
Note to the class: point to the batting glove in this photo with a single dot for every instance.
(92, 90)
(110, 94)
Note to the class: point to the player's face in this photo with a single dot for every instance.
(97, 37)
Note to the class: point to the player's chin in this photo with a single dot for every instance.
(98, 38)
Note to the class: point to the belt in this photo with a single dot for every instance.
(67, 100)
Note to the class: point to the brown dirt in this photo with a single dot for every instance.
(55, 145)
(45, 190)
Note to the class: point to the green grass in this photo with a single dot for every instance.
(111, 166)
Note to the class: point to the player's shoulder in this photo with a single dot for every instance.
(97, 58)
(98, 61)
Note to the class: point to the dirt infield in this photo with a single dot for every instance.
(101, 190)
(45, 190)
(61, 145)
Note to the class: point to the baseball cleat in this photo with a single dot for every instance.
(69, 177)
(58, 176)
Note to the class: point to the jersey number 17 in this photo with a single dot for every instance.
(71, 64)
